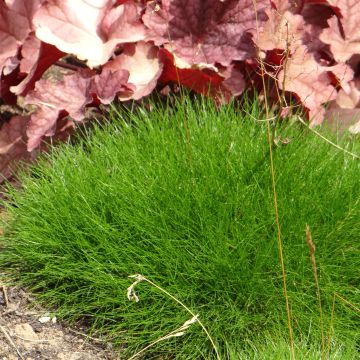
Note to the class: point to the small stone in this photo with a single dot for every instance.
(44, 319)
(25, 331)
(26, 335)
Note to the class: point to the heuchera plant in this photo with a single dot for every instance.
(307, 49)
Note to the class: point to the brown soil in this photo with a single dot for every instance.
(32, 334)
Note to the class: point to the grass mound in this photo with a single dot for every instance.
(183, 196)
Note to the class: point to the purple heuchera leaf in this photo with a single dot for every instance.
(94, 34)
(106, 86)
(234, 82)
(343, 35)
(309, 80)
(13, 145)
(26, 8)
(37, 57)
(275, 32)
(142, 62)
(206, 31)
(70, 97)
(14, 28)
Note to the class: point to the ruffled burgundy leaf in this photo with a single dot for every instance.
(42, 123)
(12, 132)
(142, 62)
(70, 97)
(13, 145)
(37, 57)
(307, 79)
(55, 100)
(349, 99)
(122, 24)
(26, 8)
(234, 83)
(70, 94)
(59, 23)
(206, 31)
(109, 84)
(282, 31)
(14, 28)
(343, 34)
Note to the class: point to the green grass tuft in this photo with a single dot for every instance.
(183, 196)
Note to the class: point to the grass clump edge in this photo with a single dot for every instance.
(183, 196)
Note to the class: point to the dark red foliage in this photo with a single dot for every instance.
(310, 51)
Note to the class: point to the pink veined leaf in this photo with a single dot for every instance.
(70, 97)
(122, 24)
(29, 53)
(309, 81)
(316, 15)
(12, 132)
(206, 31)
(343, 34)
(55, 100)
(14, 28)
(13, 145)
(110, 83)
(37, 57)
(62, 24)
(312, 41)
(283, 31)
(42, 123)
(89, 30)
(142, 62)
(70, 94)
(26, 8)
(343, 74)
(233, 84)
(351, 98)
(47, 123)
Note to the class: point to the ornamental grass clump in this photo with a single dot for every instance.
(182, 195)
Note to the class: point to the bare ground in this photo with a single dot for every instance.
(31, 334)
